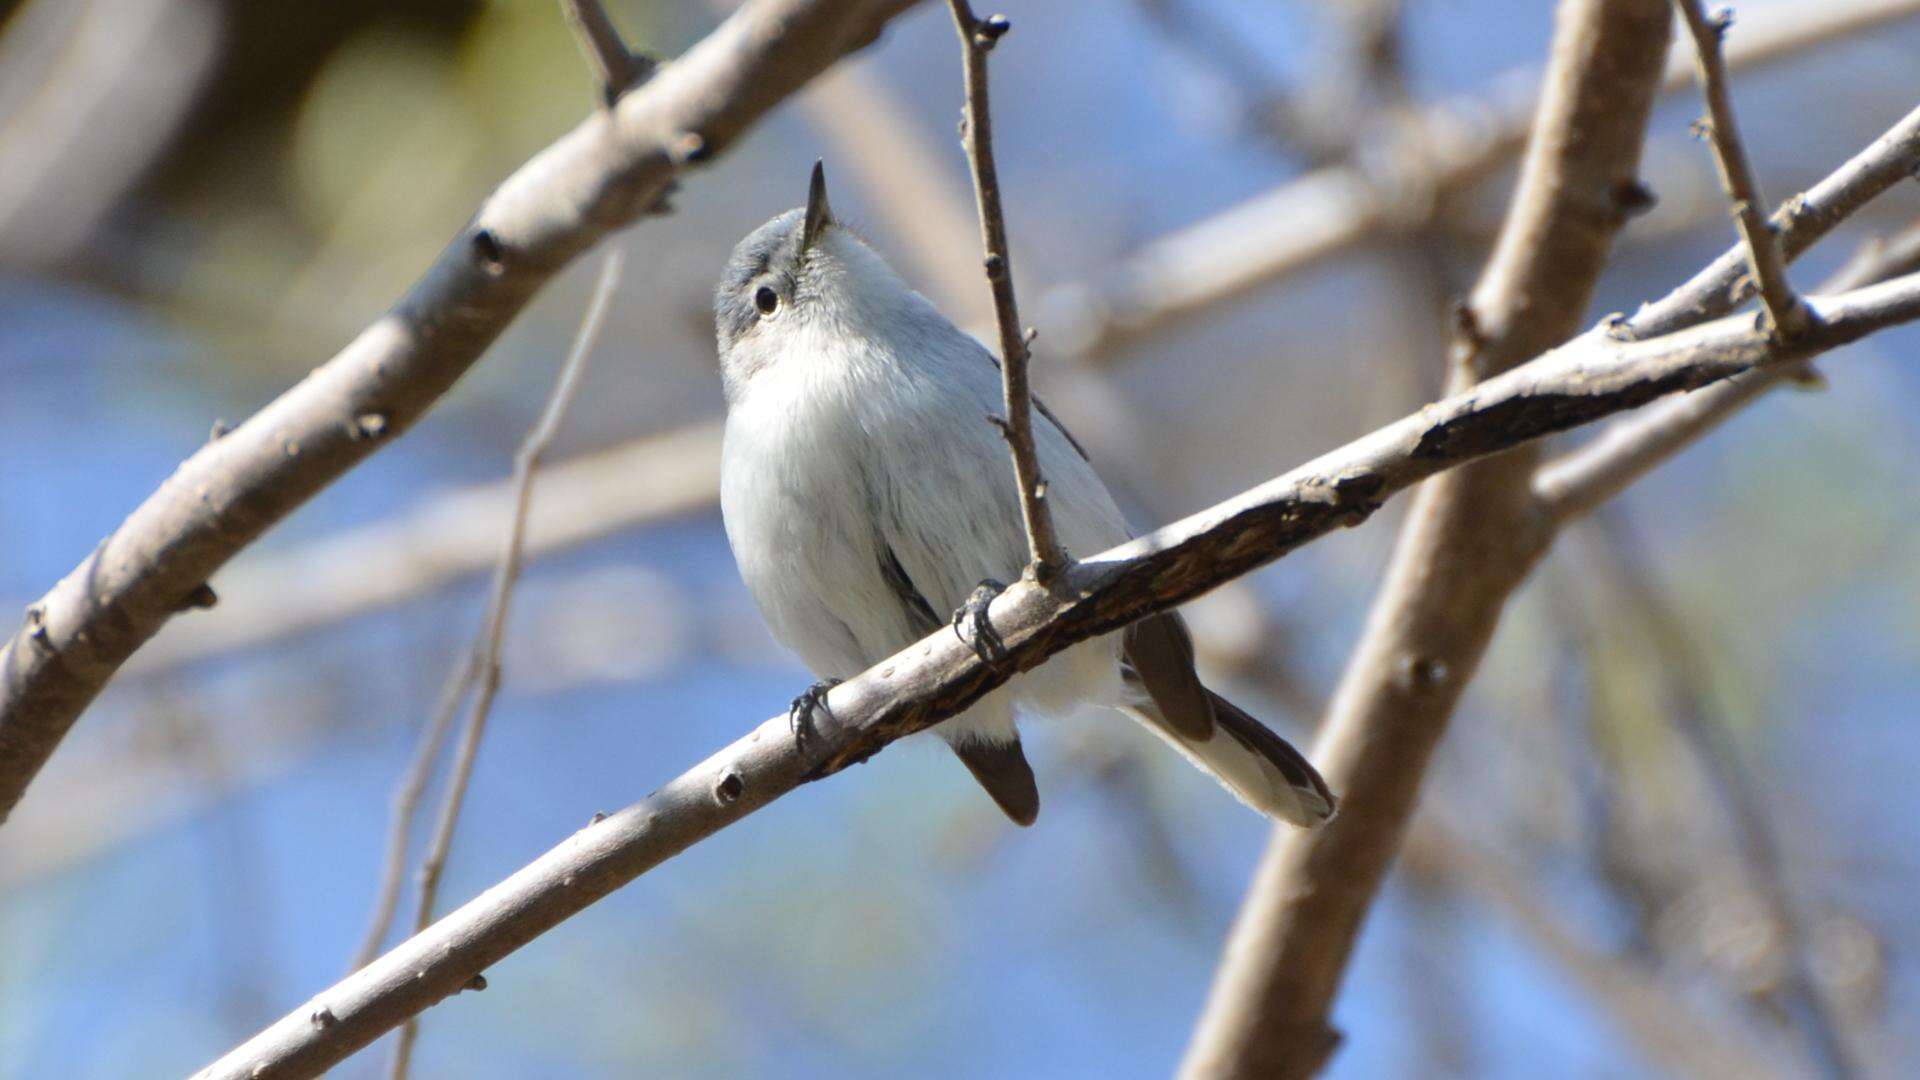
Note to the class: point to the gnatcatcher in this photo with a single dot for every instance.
(865, 493)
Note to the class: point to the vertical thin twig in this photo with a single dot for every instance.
(406, 805)
(1769, 263)
(485, 660)
(977, 38)
(617, 68)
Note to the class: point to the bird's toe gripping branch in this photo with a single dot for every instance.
(970, 622)
(800, 713)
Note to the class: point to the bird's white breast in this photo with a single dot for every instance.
(845, 450)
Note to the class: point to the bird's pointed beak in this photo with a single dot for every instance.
(819, 214)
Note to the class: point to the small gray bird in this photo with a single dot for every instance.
(865, 494)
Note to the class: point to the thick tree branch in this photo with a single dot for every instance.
(1736, 171)
(1440, 153)
(938, 677)
(1470, 539)
(977, 38)
(1290, 945)
(594, 495)
(614, 167)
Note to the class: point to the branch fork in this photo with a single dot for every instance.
(1786, 312)
(618, 68)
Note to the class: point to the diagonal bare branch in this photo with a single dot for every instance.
(1423, 641)
(613, 168)
(617, 68)
(429, 547)
(1592, 376)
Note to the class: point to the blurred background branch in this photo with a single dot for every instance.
(77, 636)
(87, 111)
(1425, 162)
(1683, 677)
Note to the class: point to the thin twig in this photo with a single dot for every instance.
(406, 804)
(1769, 264)
(485, 660)
(1580, 480)
(977, 38)
(940, 675)
(617, 68)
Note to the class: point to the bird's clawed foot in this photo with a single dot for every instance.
(800, 713)
(972, 626)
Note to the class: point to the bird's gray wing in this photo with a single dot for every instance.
(925, 619)
(1001, 768)
(1157, 656)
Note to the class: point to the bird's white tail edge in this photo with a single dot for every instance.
(1257, 766)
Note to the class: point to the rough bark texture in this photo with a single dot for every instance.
(1471, 538)
(614, 167)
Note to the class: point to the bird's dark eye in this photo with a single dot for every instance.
(766, 299)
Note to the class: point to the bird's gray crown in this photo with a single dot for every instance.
(774, 255)
(772, 251)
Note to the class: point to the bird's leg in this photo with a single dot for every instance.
(800, 713)
(972, 626)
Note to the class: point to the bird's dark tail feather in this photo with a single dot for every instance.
(1259, 767)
